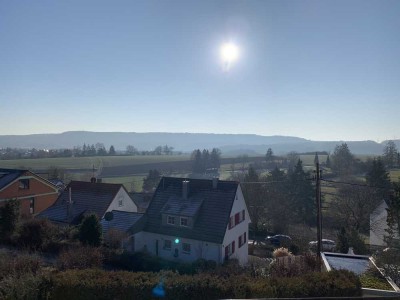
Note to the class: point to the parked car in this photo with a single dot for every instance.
(327, 245)
(279, 239)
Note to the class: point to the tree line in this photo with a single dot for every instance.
(97, 149)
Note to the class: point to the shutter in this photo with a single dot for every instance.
(240, 241)
(237, 219)
(233, 247)
(245, 236)
(243, 215)
(226, 251)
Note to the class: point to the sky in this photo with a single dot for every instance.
(321, 70)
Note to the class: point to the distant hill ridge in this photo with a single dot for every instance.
(186, 142)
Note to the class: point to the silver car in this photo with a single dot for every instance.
(327, 245)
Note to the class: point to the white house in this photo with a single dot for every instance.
(189, 219)
(80, 198)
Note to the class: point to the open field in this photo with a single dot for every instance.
(88, 162)
(395, 175)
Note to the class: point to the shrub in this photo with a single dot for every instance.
(25, 287)
(114, 238)
(9, 215)
(35, 234)
(80, 258)
(290, 266)
(281, 252)
(97, 284)
(18, 264)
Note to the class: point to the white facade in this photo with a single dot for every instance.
(155, 243)
(166, 247)
(231, 235)
(122, 202)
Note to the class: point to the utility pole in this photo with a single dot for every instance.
(318, 203)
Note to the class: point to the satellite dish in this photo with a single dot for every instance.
(109, 216)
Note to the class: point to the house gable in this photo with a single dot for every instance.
(88, 197)
(122, 202)
(33, 192)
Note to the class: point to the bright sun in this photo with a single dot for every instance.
(229, 52)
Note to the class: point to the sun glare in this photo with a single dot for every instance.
(229, 52)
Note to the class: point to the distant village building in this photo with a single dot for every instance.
(34, 193)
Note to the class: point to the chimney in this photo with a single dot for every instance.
(215, 183)
(69, 205)
(185, 189)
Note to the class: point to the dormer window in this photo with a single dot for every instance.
(184, 222)
(170, 220)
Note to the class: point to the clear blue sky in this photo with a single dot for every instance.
(322, 70)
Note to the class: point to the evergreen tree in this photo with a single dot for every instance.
(342, 160)
(342, 241)
(390, 154)
(215, 158)
(269, 156)
(393, 215)
(112, 150)
(152, 180)
(301, 194)
(379, 179)
(328, 162)
(90, 232)
(197, 163)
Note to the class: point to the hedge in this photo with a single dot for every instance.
(98, 284)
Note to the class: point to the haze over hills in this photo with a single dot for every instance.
(186, 142)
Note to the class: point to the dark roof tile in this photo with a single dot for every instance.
(213, 213)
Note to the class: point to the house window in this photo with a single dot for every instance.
(171, 220)
(237, 219)
(186, 248)
(24, 184)
(242, 239)
(230, 249)
(167, 244)
(121, 201)
(184, 222)
(243, 215)
(32, 205)
(231, 222)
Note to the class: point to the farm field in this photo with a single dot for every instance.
(395, 175)
(88, 162)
